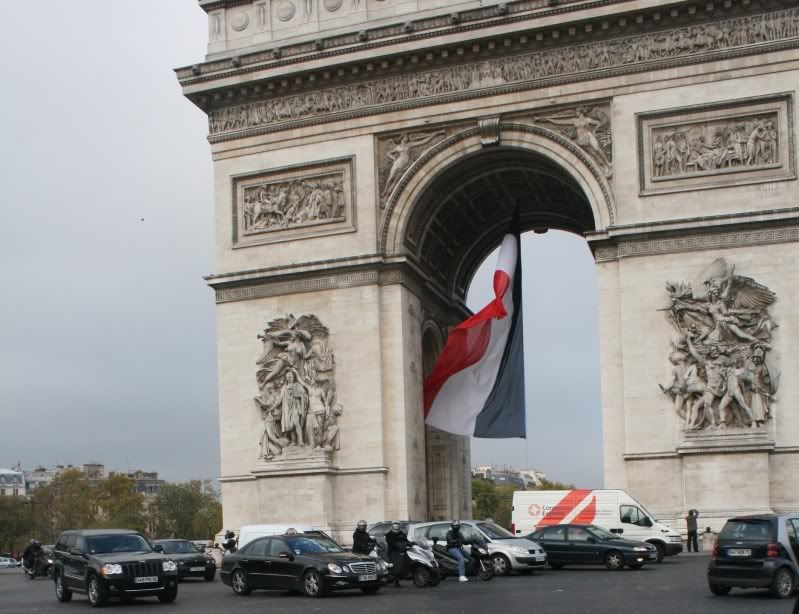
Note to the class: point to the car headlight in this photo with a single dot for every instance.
(334, 568)
(169, 566)
(640, 548)
(111, 570)
(519, 550)
(49, 561)
(345, 568)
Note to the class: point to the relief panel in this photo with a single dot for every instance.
(294, 203)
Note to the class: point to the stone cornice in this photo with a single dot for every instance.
(503, 66)
(696, 235)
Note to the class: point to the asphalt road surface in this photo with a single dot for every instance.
(676, 586)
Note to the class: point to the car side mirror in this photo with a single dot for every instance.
(647, 522)
(77, 552)
(158, 548)
(591, 540)
(434, 540)
(286, 555)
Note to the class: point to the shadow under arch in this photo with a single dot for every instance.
(452, 206)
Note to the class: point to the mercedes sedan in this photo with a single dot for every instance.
(312, 564)
(572, 544)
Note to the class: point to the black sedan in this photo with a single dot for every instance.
(311, 563)
(190, 561)
(572, 544)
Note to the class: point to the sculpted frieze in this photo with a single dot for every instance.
(397, 153)
(296, 400)
(589, 128)
(286, 203)
(721, 375)
(488, 75)
(744, 141)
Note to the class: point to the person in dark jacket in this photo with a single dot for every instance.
(362, 542)
(397, 542)
(229, 543)
(31, 554)
(690, 522)
(455, 548)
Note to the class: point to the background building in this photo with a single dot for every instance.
(12, 483)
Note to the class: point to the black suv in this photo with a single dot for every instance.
(756, 552)
(106, 563)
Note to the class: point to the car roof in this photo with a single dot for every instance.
(758, 517)
(170, 539)
(103, 531)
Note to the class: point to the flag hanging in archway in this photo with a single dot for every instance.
(477, 385)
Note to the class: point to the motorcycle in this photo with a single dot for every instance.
(422, 566)
(478, 561)
(42, 567)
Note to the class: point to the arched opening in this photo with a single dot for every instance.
(454, 222)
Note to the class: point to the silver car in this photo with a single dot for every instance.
(508, 553)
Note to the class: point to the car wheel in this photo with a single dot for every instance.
(421, 577)
(370, 590)
(556, 565)
(168, 595)
(239, 583)
(782, 587)
(501, 565)
(97, 598)
(62, 593)
(614, 560)
(313, 584)
(661, 551)
(719, 590)
(210, 575)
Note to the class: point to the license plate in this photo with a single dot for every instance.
(739, 552)
(368, 578)
(196, 568)
(146, 579)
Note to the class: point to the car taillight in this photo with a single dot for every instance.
(513, 528)
(715, 553)
(773, 551)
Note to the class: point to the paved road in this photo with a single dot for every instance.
(676, 586)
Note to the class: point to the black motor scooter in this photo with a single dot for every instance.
(421, 566)
(477, 559)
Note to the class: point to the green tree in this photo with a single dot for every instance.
(484, 498)
(16, 523)
(118, 503)
(496, 502)
(66, 503)
(187, 510)
(549, 485)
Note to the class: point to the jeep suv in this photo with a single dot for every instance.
(105, 563)
(756, 552)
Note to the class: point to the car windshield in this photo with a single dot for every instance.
(494, 531)
(747, 530)
(99, 544)
(601, 533)
(312, 545)
(179, 548)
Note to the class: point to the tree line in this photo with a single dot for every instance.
(190, 510)
(494, 501)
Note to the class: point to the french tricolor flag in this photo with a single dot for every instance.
(477, 385)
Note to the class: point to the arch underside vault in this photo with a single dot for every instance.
(468, 206)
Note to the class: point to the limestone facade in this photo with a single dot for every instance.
(369, 154)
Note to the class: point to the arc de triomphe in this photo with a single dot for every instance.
(368, 155)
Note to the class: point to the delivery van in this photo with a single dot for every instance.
(613, 510)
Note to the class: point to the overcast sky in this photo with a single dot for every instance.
(108, 350)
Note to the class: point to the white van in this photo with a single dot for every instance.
(253, 531)
(613, 510)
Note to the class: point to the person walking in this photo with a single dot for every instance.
(455, 548)
(690, 522)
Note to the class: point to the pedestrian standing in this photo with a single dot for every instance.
(690, 521)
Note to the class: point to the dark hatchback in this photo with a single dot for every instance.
(191, 562)
(756, 552)
(573, 544)
(312, 564)
(105, 563)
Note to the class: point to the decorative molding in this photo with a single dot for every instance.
(714, 145)
(317, 282)
(296, 202)
(489, 131)
(511, 73)
(695, 242)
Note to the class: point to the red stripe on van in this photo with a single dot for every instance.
(564, 507)
(588, 514)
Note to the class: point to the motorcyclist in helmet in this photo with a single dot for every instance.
(397, 542)
(229, 543)
(31, 555)
(362, 542)
(455, 547)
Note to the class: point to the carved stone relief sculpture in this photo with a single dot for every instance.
(296, 399)
(721, 375)
(589, 128)
(744, 141)
(448, 83)
(293, 202)
(397, 153)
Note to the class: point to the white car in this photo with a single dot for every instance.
(6, 563)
